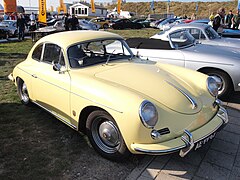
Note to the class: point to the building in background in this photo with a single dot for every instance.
(83, 10)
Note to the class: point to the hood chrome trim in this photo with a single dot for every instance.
(190, 99)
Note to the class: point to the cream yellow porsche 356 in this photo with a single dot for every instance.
(92, 82)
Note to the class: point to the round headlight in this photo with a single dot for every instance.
(148, 114)
(212, 86)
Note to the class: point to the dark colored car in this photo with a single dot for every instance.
(10, 26)
(4, 34)
(126, 24)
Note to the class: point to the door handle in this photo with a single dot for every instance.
(34, 75)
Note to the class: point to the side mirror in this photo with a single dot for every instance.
(57, 67)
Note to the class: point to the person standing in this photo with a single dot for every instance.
(66, 22)
(211, 18)
(229, 19)
(236, 20)
(5, 16)
(74, 23)
(32, 17)
(218, 20)
(21, 27)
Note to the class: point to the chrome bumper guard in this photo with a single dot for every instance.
(187, 137)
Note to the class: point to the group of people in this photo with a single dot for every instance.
(70, 23)
(221, 20)
(233, 20)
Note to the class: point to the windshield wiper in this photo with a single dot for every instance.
(109, 57)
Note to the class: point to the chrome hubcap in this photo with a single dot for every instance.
(105, 135)
(109, 134)
(25, 96)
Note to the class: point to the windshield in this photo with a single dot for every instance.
(95, 52)
(5, 23)
(211, 33)
(181, 39)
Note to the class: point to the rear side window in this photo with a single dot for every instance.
(52, 53)
(37, 53)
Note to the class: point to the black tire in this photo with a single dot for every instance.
(15, 33)
(105, 136)
(23, 92)
(105, 26)
(227, 87)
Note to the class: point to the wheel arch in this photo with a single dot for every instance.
(85, 112)
(205, 69)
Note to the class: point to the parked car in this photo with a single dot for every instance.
(91, 81)
(232, 33)
(103, 22)
(125, 24)
(57, 27)
(154, 24)
(10, 26)
(226, 32)
(202, 21)
(4, 33)
(165, 23)
(181, 49)
(203, 33)
(146, 22)
(86, 25)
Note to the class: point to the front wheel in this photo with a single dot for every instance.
(105, 136)
(105, 26)
(23, 92)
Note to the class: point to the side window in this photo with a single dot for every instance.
(52, 54)
(196, 33)
(36, 55)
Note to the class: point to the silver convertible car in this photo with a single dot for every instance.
(181, 49)
(203, 33)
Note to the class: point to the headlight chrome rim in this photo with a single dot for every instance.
(143, 104)
(213, 92)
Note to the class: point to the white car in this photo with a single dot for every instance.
(87, 25)
(166, 23)
(181, 49)
(203, 33)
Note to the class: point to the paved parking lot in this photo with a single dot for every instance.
(219, 159)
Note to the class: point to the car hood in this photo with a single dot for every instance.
(213, 54)
(229, 42)
(159, 86)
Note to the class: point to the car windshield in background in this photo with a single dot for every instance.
(211, 33)
(181, 39)
(6, 23)
(95, 52)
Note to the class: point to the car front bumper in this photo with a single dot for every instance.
(188, 140)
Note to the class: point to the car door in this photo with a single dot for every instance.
(51, 88)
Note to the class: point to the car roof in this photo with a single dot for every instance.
(192, 25)
(187, 25)
(65, 39)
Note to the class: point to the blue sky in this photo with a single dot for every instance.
(55, 3)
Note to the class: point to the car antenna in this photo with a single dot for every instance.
(109, 57)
